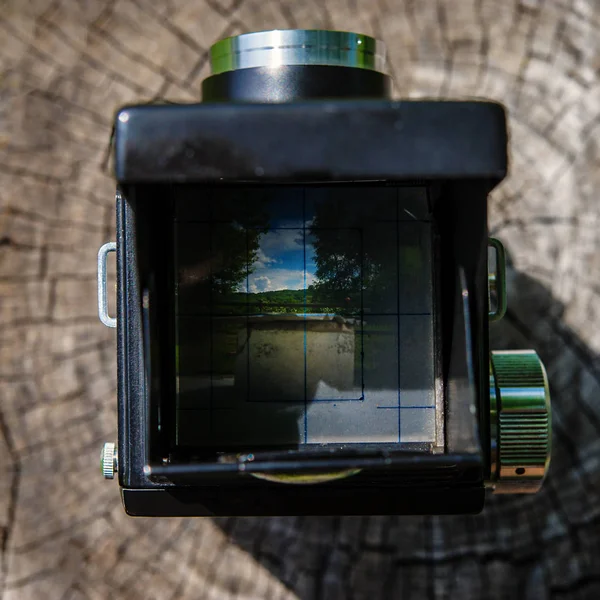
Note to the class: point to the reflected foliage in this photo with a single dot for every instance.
(354, 256)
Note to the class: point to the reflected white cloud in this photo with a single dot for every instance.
(272, 280)
(261, 284)
(262, 260)
(281, 240)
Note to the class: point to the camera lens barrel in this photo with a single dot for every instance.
(296, 64)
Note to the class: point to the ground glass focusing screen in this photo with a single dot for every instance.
(304, 316)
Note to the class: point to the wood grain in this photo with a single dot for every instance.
(66, 66)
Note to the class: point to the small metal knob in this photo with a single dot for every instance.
(108, 460)
(521, 427)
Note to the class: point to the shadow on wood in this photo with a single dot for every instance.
(518, 542)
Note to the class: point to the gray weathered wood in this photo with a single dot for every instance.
(65, 68)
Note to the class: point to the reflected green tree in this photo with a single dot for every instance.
(212, 271)
(354, 258)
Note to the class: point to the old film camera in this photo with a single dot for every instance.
(304, 289)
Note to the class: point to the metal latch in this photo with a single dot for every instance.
(102, 298)
(497, 281)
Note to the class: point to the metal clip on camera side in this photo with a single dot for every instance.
(303, 295)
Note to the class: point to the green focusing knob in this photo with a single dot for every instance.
(521, 425)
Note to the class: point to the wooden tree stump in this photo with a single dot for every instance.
(66, 66)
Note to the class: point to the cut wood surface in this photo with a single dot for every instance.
(66, 66)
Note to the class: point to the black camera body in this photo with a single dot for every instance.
(303, 300)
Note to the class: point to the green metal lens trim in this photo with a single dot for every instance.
(297, 47)
(306, 478)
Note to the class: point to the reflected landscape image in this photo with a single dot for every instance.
(304, 316)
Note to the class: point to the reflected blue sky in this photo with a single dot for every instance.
(285, 259)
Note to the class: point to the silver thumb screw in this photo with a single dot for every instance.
(108, 460)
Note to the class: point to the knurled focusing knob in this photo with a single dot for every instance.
(108, 460)
(521, 427)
